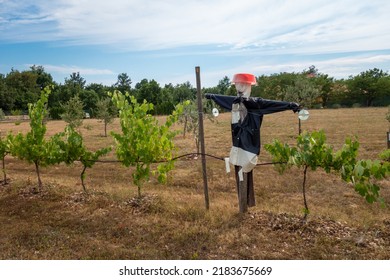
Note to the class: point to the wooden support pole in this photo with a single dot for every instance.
(243, 194)
(299, 127)
(201, 137)
(388, 139)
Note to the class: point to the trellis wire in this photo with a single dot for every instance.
(192, 154)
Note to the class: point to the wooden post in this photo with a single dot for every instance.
(388, 139)
(201, 137)
(299, 126)
(243, 194)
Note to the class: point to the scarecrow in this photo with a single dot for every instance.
(247, 116)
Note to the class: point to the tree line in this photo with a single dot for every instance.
(309, 88)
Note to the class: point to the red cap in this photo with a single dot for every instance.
(244, 78)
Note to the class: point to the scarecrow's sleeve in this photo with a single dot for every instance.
(224, 101)
(270, 106)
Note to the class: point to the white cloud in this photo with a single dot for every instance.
(341, 67)
(268, 26)
(64, 69)
(352, 65)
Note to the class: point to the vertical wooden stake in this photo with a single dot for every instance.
(201, 137)
(299, 127)
(243, 194)
(388, 139)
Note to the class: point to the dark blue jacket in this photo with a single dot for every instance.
(246, 135)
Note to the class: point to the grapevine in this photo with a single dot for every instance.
(143, 140)
(33, 146)
(71, 148)
(4, 151)
(313, 152)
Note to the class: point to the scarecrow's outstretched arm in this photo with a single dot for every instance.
(266, 106)
(224, 101)
(269, 106)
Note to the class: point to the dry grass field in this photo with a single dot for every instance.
(170, 221)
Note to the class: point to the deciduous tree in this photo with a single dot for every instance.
(369, 85)
(73, 112)
(106, 112)
(303, 92)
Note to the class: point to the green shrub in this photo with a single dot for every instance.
(336, 106)
(2, 115)
(385, 155)
(16, 112)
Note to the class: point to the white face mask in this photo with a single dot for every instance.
(243, 89)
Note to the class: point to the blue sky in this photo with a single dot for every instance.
(165, 40)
